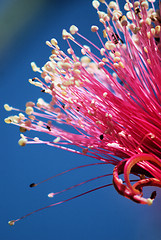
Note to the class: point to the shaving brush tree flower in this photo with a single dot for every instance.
(111, 100)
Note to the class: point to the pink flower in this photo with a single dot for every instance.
(111, 101)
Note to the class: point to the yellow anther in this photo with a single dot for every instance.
(148, 61)
(22, 142)
(8, 120)
(148, 35)
(34, 67)
(105, 33)
(7, 107)
(29, 110)
(148, 21)
(153, 31)
(157, 29)
(54, 42)
(121, 64)
(117, 54)
(150, 201)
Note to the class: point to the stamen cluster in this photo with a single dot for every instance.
(111, 101)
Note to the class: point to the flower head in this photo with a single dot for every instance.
(111, 101)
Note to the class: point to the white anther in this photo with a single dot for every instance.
(95, 4)
(130, 15)
(85, 60)
(145, 4)
(48, 44)
(116, 15)
(110, 45)
(101, 64)
(66, 66)
(104, 94)
(73, 29)
(128, 6)
(102, 51)
(136, 4)
(56, 140)
(113, 5)
(51, 195)
(67, 35)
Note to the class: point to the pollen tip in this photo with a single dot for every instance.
(73, 29)
(22, 142)
(101, 137)
(11, 223)
(153, 195)
(150, 201)
(51, 195)
(32, 185)
(7, 107)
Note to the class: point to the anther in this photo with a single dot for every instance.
(22, 142)
(22, 129)
(73, 29)
(11, 223)
(7, 107)
(153, 195)
(101, 137)
(51, 195)
(48, 127)
(94, 28)
(32, 185)
(34, 67)
(95, 4)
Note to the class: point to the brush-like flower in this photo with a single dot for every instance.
(111, 100)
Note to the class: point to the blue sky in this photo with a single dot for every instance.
(100, 215)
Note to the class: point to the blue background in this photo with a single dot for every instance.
(100, 215)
